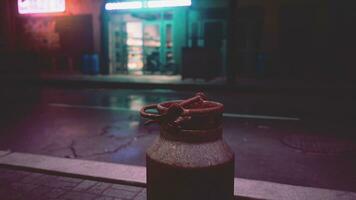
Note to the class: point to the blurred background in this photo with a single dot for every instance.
(74, 74)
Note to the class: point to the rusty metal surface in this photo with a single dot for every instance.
(180, 145)
(186, 155)
(191, 136)
(177, 183)
(189, 160)
(186, 114)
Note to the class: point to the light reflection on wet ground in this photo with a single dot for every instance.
(105, 125)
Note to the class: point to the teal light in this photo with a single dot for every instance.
(125, 5)
(168, 3)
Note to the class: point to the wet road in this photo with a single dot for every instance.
(299, 140)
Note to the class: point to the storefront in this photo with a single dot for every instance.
(153, 36)
(53, 35)
(160, 37)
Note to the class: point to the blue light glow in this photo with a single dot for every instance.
(168, 3)
(124, 5)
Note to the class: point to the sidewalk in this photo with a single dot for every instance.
(175, 82)
(24, 185)
(35, 177)
(132, 81)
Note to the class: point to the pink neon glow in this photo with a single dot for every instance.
(41, 6)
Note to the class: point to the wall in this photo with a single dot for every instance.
(202, 19)
(179, 34)
(305, 39)
(209, 3)
(92, 7)
(3, 21)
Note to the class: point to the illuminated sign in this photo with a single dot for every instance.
(124, 5)
(168, 3)
(41, 6)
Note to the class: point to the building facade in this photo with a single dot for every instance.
(254, 39)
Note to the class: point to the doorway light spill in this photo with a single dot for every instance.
(41, 6)
(149, 4)
(124, 5)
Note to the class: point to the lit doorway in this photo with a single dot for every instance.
(141, 43)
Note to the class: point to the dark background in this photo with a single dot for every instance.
(276, 40)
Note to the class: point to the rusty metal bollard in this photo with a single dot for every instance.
(189, 160)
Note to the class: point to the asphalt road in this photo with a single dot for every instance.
(293, 139)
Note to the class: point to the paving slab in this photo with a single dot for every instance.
(14, 188)
(4, 153)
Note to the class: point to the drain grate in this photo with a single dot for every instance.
(319, 144)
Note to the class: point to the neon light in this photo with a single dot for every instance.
(168, 3)
(149, 4)
(124, 5)
(41, 6)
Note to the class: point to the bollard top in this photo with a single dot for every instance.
(196, 113)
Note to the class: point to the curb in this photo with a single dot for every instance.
(220, 87)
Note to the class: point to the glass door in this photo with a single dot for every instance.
(168, 58)
(142, 43)
(152, 46)
(117, 47)
(134, 46)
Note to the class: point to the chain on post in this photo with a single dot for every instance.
(176, 113)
